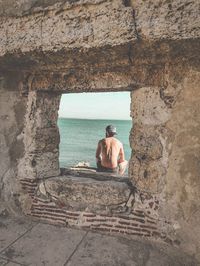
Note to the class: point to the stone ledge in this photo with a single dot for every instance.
(85, 192)
(91, 172)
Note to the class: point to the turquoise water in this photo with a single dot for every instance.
(79, 138)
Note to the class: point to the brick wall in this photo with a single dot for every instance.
(139, 221)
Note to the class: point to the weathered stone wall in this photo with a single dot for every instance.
(95, 201)
(12, 111)
(41, 136)
(166, 143)
(182, 183)
(170, 20)
(148, 47)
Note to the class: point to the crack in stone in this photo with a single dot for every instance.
(2, 182)
(76, 248)
(135, 26)
(27, 231)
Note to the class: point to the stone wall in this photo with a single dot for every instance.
(41, 136)
(12, 111)
(95, 201)
(150, 48)
(166, 142)
(182, 183)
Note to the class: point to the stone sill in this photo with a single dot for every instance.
(91, 172)
(85, 189)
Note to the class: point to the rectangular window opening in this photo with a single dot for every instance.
(83, 118)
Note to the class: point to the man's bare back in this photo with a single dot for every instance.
(110, 149)
(110, 153)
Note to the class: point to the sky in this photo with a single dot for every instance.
(107, 105)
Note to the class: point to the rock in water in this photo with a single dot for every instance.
(82, 164)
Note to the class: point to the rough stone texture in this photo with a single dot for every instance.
(68, 46)
(131, 252)
(41, 137)
(68, 25)
(80, 28)
(12, 111)
(184, 166)
(159, 19)
(167, 161)
(78, 199)
(53, 248)
(53, 245)
(84, 24)
(85, 193)
(129, 211)
(148, 47)
(12, 229)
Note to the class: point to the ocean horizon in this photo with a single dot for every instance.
(79, 138)
(62, 117)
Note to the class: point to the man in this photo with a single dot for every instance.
(110, 153)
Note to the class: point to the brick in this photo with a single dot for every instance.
(71, 218)
(152, 222)
(119, 226)
(107, 225)
(47, 206)
(125, 217)
(28, 181)
(95, 220)
(133, 228)
(134, 224)
(89, 215)
(145, 231)
(123, 232)
(138, 234)
(72, 213)
(124, 223)
(114, 230)
(101, 229)
(105, 216)
(40, 201)
(132, 218)
(148, 227)
(111, 220)
(48, 212)
(138, 220)
(49, 218)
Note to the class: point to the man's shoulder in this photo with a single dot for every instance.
(118, 142)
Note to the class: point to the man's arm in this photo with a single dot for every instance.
(121, 155)
(98, 152)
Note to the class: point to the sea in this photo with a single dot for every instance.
(79, 139)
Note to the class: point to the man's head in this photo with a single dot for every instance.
(110, 131)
